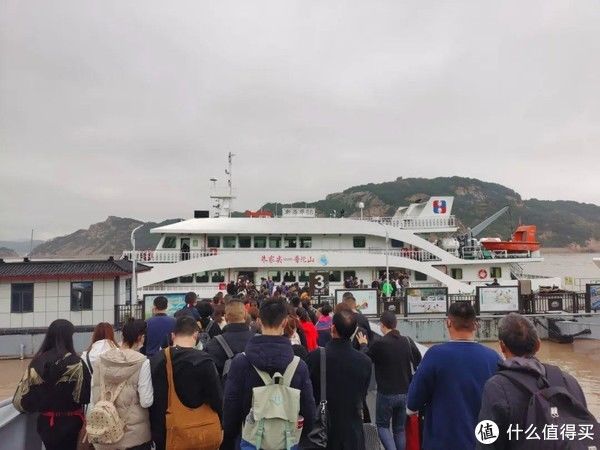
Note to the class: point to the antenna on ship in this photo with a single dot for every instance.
(223, 199)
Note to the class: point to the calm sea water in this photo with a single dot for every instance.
(578, 265)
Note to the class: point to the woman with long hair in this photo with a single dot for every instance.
(309, 329)
(125, 370)
(103, 339)
(57, 385)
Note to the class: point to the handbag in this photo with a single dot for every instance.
(412, 426)
(317, 437)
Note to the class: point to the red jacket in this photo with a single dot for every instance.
(311, 335)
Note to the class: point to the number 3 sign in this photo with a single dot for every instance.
(319, 283)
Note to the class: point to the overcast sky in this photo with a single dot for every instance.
(128, 108)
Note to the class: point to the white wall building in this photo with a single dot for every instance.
(34, 293)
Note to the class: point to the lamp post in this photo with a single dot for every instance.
(133, 263)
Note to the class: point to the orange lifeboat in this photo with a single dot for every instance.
(523, 240)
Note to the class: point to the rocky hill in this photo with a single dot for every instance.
(8, 253)
(106, 238)
(560, 223)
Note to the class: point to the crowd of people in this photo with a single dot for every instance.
(266, 369)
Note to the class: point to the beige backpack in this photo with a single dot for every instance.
(104, 426)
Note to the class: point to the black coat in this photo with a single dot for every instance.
(237, 336)
(506, 404)
(348, 377)
(189, 366)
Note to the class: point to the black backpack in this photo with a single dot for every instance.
(228, 352)
(552, 407)
(204, 335)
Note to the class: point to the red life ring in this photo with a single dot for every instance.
(483, 274)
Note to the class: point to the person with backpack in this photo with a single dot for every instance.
(448, 383)
(189, 309)
(324, 324)
(208, 327)
(56, 385)
(267, 370)
(122, 393)
(394, 357)
(185, 413)
(348, 374)
(159, 327)
(528, 393)
(236, 335)
(103, 339)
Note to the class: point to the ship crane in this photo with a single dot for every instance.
(468, 243)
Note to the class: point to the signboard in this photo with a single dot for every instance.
(366, 299)
(498, 299)
(593, 294)
(176, 302)
(318, 283)
(427, 300)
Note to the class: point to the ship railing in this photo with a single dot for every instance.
(418, 255)
(174, 256)
(423, 223)
(471, 252)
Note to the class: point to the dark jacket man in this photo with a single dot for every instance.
(189, 366)
(236, 334)
(505, 403)
(270, 352)
(159, 327)
(348, 377)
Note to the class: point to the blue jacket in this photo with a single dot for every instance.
(158, 333)
(270, 354)
(448, 385)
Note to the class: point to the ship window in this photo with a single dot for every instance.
(202, 277)
(419, 276)
(335, 276)
(218, 277)
(289, 242)
(260, 242)
(82, 293)
(245, 241)
(187, 279)
(496, 272)
(21, 297)
(274, 241)
(274, 275)
(303, 276)
(395, 243)
(305, 242)
(213, 241)
(359, 242)
(229, 241)
(170, 242)
(171, 281)
(349, 274)
(289, 276)
(456, 273)
(194, 242)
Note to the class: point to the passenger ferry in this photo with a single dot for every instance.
(421, 241)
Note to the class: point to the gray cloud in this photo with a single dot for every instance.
(127, 108)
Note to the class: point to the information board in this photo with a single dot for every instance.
(366, 299)
(427, 300)
(498, 299)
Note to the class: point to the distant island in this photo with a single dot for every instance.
(565, 225)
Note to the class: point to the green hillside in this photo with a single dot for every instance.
(560, 223)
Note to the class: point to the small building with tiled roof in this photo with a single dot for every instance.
(86, 292)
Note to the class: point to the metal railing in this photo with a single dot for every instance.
(424, 223)
(173, 256)
(124, 312)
